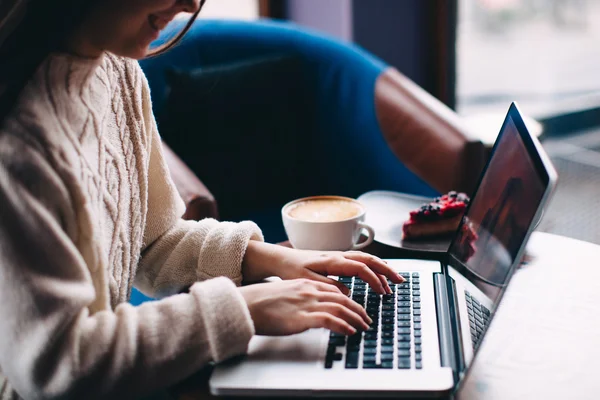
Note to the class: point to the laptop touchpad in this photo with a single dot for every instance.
(306, 346)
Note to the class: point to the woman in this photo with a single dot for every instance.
(88, 210)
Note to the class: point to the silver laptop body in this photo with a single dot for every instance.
(427, 332)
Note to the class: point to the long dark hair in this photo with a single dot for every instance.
(44, 28)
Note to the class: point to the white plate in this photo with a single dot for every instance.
(387, 211)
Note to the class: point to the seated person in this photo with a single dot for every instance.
(88, 210)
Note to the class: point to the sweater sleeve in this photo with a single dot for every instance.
(178, 253)
(51, 345)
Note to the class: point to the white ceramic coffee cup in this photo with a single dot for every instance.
(340, 235)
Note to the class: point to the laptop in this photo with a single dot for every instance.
(426, 334)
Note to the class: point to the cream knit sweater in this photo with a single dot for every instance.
(88, 210)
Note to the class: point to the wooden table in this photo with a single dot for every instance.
(544, 342)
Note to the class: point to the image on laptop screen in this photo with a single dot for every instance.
(500, 214)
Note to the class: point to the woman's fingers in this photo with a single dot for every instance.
(385, 284)
(356, 268)
(348, 303)
(321, 319)
(344, 313)
(375, 263)
(323, 279)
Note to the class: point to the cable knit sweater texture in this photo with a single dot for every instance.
(88, 210)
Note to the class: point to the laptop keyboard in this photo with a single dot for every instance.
(478, 318)
(393, 339)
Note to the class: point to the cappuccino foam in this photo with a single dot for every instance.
(324, 210)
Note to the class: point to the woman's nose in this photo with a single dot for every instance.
(189, 6)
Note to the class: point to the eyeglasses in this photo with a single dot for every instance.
(163, 48)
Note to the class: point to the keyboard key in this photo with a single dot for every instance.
(328, 363)
(337, 357)
(387, 349)
(404, 304)
(419, 365)
(388, 328)
(387, 335)
(418, 357)
(417, 306)
(403, 345)
(403, 331)
(478, 318)
(415, 274)
(403, 298)
(337, 341)
(352, 360)
(417, 333)
(403, 324)
(404, 291)
(403, 310)
(475, 302)
(416, 287)
(418, 326)
(387, 307)
(417, 319)
(385, 314)
(416, 293)
(416, 312)
(370, 343)
(403, 338)
(418, 349)
(370, 358)
(404, 363)
(416, 299)
(404, 353)
(370, 350)
(418, 341)
(403, 317)
(387, 357)
(387, 342)
(416, 281)
(371, 366)
(371, 335)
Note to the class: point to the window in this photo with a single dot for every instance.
(543, 53)
(234, 9)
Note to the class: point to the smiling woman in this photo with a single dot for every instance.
(88, 210)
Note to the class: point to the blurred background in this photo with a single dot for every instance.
(477, 56)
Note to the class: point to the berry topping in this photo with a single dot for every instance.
(446, 206)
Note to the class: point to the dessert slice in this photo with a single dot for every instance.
(439, 217)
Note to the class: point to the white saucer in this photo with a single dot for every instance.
(387, 211)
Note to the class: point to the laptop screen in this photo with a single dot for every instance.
(501, 211)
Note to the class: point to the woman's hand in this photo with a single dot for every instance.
(289, 307)
(263, 260)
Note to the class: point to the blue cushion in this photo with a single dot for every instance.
(242, 127)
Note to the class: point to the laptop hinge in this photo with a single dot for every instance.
(444, 322)
(455, 325)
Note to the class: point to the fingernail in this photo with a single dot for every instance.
(389, 291)
(370, 320)
(366, 327)
(352, 331)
